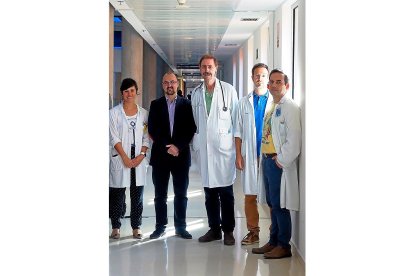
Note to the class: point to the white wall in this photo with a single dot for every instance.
(257, 43)
(300, 93)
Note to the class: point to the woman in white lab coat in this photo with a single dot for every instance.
(214, 149)
(129, 143)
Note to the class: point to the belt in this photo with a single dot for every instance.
(269, 155)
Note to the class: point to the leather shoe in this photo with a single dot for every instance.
(137, 234)
(211, 235)
(278, 253)
(183, 234)
(115, 234)
(157, 233)
(264, 249)
(228, 238)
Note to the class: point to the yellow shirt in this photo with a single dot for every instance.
(267, 140)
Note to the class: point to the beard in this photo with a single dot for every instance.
(170, 92)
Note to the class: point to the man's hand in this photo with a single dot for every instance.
(277, 163)
(239, 162)
(173, 150)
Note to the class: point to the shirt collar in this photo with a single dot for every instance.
(168, 100)
(265, 95)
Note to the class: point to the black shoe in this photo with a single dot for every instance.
(228, 238)
(211, 235)
(157, 233)
(183, 234)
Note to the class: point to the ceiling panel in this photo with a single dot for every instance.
(182, 34)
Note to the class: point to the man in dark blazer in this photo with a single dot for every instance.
(171, 126)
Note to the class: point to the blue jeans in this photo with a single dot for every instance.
(281, 230)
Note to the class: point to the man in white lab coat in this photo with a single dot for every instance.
(214, 104)
(248, 139)
(281, 143)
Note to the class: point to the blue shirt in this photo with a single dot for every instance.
(259, 105)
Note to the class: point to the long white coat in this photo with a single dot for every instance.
(119, 175)
(213, 143)
(245, 129)
(286, 134)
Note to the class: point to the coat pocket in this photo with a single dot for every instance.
(226, 141)
(116, 162)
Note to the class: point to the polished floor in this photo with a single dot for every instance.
(171, 255)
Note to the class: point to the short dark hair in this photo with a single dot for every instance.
(127, 83)
(259, 65)
(286, 79)
(169, 72)
(208, 56)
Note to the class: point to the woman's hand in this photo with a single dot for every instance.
(128, 162)
(137, 160)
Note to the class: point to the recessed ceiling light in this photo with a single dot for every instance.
(249, 19)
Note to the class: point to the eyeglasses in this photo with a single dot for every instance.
(169, 82)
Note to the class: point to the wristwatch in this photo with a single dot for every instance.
(144, 153)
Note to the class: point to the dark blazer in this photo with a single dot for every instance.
(159, 130)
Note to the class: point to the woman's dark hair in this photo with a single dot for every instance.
(127, 83)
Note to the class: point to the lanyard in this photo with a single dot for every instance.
(132, 123)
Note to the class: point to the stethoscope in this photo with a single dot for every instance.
(132, 123)
(222, 94)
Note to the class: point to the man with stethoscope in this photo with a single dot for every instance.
(214, 104)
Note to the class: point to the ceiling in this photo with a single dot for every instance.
(182, 33)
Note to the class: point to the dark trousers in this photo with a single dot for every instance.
(220, 198)
(116, 205)
(281, 230)
(160, 178)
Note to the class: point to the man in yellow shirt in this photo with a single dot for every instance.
(281, 142)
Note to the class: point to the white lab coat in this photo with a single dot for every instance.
(286, 135)
(119, 175)
(213, 143)
(245, 129)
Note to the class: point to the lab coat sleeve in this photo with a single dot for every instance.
(238, 127)
(195, 105)
(145, 137)
(114, 135)
(290, 149)
(234, 108)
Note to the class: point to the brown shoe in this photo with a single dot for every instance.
(137, 234)
(278, 253)
(229, 238)
(115, 234)
(264, 249)
(250, 238)
(211, 235)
